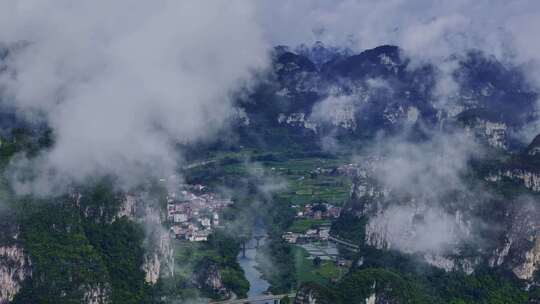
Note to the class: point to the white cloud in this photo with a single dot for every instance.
(420, 26)
(431, 169)
(426, 187)
(121, 81)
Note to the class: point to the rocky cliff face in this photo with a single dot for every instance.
(375, 298)
(159, 255)
(454, 231)
(15, 267)
(416, 228)
(16, 264)
(128, 207)
(207, 277)
(297, 120)
(530, 179)
(519, 251)
(97, 294)
(522, 168)
(495, 133)
(311, 294)
(531, 261)
(378, 90)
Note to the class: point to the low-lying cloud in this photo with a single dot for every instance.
(417, 229)
(432, 168)
(121, 82)
(424, 183)
(421, 27)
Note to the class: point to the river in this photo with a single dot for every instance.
(258, 285)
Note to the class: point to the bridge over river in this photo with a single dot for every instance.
(348, 245)
(261, 299)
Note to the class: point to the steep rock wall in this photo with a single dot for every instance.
(15, 267)
(519, 250)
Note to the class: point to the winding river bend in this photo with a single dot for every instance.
(258, 285)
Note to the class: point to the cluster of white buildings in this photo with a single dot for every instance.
(348, 169)
(321, 233)
(194, 213)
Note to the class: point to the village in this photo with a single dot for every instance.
(315, 211)
(316, 240)
(194, 212)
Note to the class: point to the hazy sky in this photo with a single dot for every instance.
(419, 26)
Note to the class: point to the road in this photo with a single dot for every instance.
(198, 164)
(257, 299)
